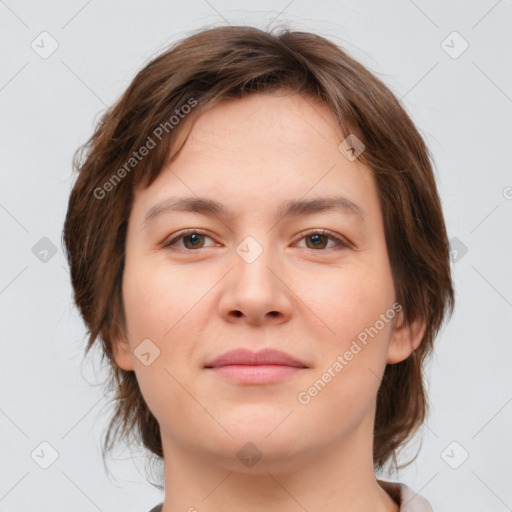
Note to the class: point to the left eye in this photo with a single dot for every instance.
(193, 240)
(192, 234)
(317, 243)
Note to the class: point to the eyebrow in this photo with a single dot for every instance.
(290, 208)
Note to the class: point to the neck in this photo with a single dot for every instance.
(337, 477)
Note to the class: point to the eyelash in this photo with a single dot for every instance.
(323, 232)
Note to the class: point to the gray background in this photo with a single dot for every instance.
(460, 100)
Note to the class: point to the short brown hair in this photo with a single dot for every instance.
(230, 62)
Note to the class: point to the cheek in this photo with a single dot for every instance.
(344, 385)
(349, 299)
(156, 299)
(157, 303)
(165, 306)
(357, 306)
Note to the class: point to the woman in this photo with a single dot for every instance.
(256, 239)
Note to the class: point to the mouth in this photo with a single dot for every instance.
(264, 367)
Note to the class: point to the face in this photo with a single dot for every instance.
(314, 282)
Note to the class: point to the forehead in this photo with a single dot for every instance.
(273, 119)
(262, 150)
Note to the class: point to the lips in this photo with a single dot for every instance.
(262, 358)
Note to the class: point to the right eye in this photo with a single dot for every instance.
(191, 237)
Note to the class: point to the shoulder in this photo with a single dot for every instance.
(408, 500)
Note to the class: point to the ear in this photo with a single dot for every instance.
(405, 339)
(121, 352)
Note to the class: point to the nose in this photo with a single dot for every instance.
(257, 288)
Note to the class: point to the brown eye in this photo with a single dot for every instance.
(318, 240)
(195, 240)
(192, 239)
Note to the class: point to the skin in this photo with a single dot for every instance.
(311, 302)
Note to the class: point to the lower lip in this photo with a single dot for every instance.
(255, 374)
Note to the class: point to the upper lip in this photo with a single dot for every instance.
(263, 357)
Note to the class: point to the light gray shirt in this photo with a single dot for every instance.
(408, 500)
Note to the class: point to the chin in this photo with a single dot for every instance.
(252, 455)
